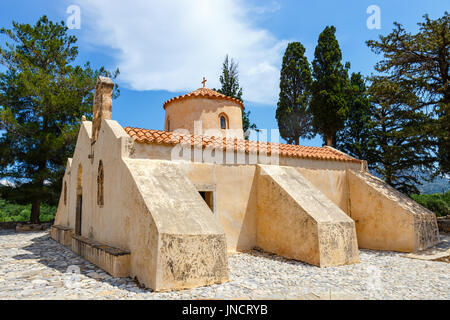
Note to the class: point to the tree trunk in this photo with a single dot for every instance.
(297, 140)
(35, 211)
(329, 140)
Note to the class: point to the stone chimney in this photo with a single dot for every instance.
(102, 104)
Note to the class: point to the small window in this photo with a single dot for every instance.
(168, 125)
(100, 183)
(223, 122)
(208, 197)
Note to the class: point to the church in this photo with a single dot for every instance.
(168, 207)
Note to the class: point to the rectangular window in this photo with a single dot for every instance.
(208, 196)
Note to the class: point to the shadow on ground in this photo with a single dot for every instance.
(57, 257)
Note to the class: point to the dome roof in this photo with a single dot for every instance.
(204, 93)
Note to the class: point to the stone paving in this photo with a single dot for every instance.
(33, 266)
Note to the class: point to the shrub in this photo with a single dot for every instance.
(11, 212)
(438, 203)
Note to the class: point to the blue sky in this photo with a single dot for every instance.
(164, 48)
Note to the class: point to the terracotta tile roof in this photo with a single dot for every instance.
(284, 150)
(204, 93)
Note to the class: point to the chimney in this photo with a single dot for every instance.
(102, 104)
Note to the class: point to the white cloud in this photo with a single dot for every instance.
(6, 183)
(171, 45)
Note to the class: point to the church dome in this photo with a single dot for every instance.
(205, 111)
(204, 93)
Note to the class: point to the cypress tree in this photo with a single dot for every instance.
(229, 80)
(329, 105)
(293, 116)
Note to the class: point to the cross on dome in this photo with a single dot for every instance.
(204, 82)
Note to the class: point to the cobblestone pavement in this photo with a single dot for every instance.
(33, 266)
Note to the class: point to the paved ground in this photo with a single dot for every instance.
(33, 266)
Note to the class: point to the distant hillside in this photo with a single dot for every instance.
(439, 185)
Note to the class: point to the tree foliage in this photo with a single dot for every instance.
(329, 104)
(229, 80)
(42, 99)
(419, 63)
(400, 133)
(356, 138)
(293, 115)
(21, 213)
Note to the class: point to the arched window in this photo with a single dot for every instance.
(79, 189)
(100, 182)
(223, 121)
(168, 125)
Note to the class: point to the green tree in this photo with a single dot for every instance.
(329, 105)
(229, 79)
(420, 63)
(42, 99)
(401, 138)
(293, 116)
(356, 138)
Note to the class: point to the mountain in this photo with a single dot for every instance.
(438, 185)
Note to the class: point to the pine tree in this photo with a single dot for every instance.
(401, 139)
(42, 99)
(420, 63)
(356, 138)
(293, 116)
(229, 79)
(329, 105)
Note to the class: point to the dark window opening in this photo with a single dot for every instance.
(223, 122)
(78, 214)
(65, 193)
(209, 199)
(100, 185)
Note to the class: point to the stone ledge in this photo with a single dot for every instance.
(26, 227)
(62, 234)
(115, 261)
(61, 228)
(111, 250)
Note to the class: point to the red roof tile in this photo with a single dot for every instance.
(204, 93)
(284, 150)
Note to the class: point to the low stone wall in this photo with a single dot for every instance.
(444, 224)
(113, 260)
(8, 225)
(32, 227)
(25, 226)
